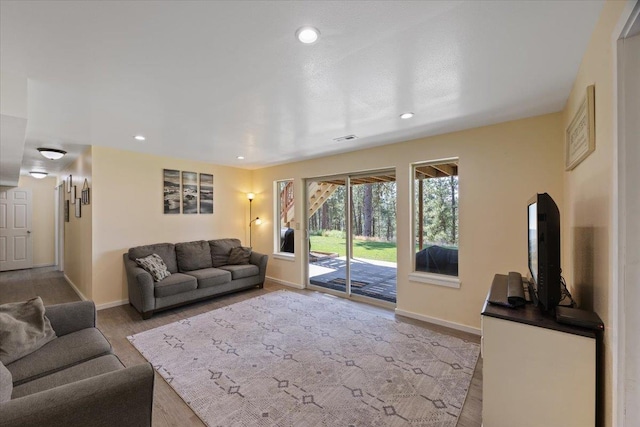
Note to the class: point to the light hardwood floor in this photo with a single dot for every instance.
(119, 322)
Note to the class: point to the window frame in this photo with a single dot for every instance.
(422, 276)
(277, 239)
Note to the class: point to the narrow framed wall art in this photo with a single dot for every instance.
(171, 191)
(206, 193)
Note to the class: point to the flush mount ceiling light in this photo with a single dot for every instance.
(406, 115)
(52, 153)
(307, 35)
(139, 138)
(38, 175)
(240, 157)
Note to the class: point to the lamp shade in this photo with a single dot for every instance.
(251, 196)
(52, 153)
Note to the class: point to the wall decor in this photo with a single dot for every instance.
(66, 211)
(85, 192)
(69, 183)
(581, 137)
(171, 191)
(189, 192)
(78, 208)
(206, 193)
(73, 194)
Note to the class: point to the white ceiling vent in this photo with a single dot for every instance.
(345, 138)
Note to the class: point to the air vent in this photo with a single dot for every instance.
(345, 138)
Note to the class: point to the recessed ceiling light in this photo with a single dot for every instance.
(240, 157)
(52, 153)
(307, 35)
(407, 115)
(139, 138)
(38, 175)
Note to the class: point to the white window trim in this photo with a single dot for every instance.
(276, 224)
(418, 276)
(286, 256)
(435, 279)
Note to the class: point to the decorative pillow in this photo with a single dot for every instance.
(23, 329)
(6, 384)
(155, 266)
(239, 255)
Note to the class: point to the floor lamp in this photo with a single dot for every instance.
(257, 220)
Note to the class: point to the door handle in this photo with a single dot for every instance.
(28, 231)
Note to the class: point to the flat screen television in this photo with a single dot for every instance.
(544, 249)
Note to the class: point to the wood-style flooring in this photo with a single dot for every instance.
(119, 322)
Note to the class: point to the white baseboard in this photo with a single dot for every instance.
(75, 288)
(441, 322)
(112, 304)
(285, 283)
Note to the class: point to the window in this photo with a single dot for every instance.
(284, 233)
(435, 220)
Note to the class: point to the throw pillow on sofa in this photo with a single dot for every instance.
(155, 266)
(239, 255)
(23, 329)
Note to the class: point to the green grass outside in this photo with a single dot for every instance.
(381, 251)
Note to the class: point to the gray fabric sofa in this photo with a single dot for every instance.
(199, 270)
(75, 379)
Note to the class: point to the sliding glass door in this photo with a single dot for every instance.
(352, 233)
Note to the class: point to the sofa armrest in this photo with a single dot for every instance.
(71, 316)
(121, 398)
(260, 260)
(140, 285)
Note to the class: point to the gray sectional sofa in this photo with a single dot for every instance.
(199, 270)
(75, 379)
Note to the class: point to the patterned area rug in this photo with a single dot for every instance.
(285, 359)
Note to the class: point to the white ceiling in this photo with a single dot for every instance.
(214, 80)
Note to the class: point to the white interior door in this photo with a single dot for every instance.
(16, 250)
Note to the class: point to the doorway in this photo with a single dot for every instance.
(351, 223)
(16, 246)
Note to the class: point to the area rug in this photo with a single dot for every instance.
(286, 359)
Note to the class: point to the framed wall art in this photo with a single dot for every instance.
(171, 191)
(78, 208)
(189, 193)
(206, 193)
(581, 136)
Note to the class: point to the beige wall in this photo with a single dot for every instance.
(501, 167)
(127, 200)
(42, 220)
(78, 265)
(588, 207)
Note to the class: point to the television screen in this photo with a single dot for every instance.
(533, 241)
(543, 218)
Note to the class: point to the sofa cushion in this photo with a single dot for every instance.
(220, 249)
(174, 284)
(6, 384)
(239, 255)
(155, 266)
(61, 353)
(211, 277)
(193, 255)
(90, 368)
(167, 252)
(242, 271)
